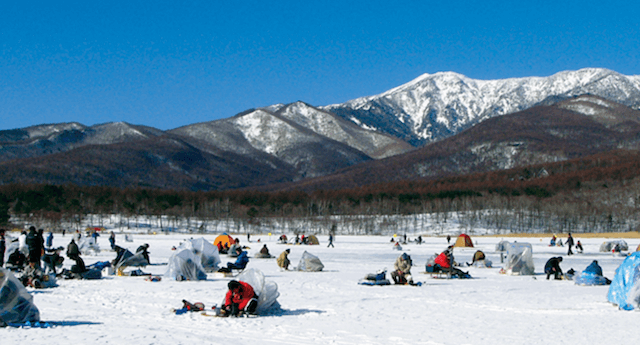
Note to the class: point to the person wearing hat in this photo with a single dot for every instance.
(402, 270)
(553, 267)
(283, 259)
(239, 299)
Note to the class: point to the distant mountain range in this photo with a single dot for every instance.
(416, 130)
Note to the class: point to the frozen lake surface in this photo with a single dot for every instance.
(329, 307)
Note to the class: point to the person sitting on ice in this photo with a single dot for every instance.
(264, 250)
(579, 248)
(32, 276)
(283, 259)
(594, 268)
(282, 239)
(241, 261)
(16, 260)
(402, 270)
(478, 256)
(553, 267)
(552, 243)
(239, 299)
(52, 259)
(445, 263)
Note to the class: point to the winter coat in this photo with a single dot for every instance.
(50, 240)
(283, 260)
(72, 250)
(264, 250)
(443, 260)
(241, 295)
(403, 263)
(594, 268)
(242, 260)
(569, 241)
(553, 265)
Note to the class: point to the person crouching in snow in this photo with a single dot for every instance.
(283, 259)
(553, 267)
(239, 299)
(241, 261)
(402, 270)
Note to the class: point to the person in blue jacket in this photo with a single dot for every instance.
(241, 261)
(594, 268)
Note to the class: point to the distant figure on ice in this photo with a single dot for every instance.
(248, 237)
(112, 240)
(448, 239)
(330, 241)
(50, 239)
(283, 259)
(402, 270)
(552, 243)
(553, 267)
(579, 248)
(3, 247)
(569, 244)
(239, 299)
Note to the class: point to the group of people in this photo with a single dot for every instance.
(555, 241)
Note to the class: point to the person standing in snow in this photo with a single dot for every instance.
(145, 254)
(330, 241)
(569, 244)
(553, 267)
(112, 240)
(448, 239)
(50, 239)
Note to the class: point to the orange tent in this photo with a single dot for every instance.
(224, 239)
(463, 241)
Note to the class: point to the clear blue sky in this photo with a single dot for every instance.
(171, 63)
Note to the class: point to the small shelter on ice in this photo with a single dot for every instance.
(16, 304)
(519, 259)
(609, 246)
(224, 239)
(311, 240)
(208, 253)
(309, 263)
(88, 246)
(502, 246)
(267, 291)
(625, 286)
(125, 258)
(184, 264)
(463, 241)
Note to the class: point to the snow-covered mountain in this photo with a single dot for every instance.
(436, 106)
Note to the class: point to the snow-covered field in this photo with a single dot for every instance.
(331, 308)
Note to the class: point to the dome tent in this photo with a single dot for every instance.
(208, 253)
(309, 263)
(502, 246)
(16, 304)
(184, 264)
(519, 259)
(224, 239)
(625, 286)
(267, 291)
(463, 241)
(608, 246)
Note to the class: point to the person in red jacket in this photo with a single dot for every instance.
(444, 262)
(240, 298)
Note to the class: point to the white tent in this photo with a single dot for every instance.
(16, 304)
(519, 259)
(608, 246)
(208, 253)
(184, 264)
(309, 263)
(267, 291)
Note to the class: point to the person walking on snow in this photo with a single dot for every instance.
(569, 244)
(330, 241)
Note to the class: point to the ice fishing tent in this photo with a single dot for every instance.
(16, 304)
(88, 246)
(625, 286)
(267, 291)
(224, 239)
(502, 246)
(463, 241)
(312, 239)
(125, 258)
(608, 246)
(519, 259)
(208, 253)
(309, 263)
(184, 264)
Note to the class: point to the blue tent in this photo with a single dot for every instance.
(625, 285)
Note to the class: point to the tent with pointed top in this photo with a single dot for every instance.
(625, 286)
(16, 304)
(309, 263)
(464, 241)
(224, 239)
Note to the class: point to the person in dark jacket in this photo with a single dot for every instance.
(50, 239)
(3, 247)
(144, 250)
(52, 259)
(112, 240)
(241, 261)
(553, 267)
(72, 250)
(569, 244)
(240, 298)
(34, 243)
(17, 259)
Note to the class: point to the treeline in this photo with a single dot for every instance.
(600, 193)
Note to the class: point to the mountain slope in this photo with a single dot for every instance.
(573, 128)
(433, 107)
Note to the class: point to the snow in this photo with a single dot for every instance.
(330, 307)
